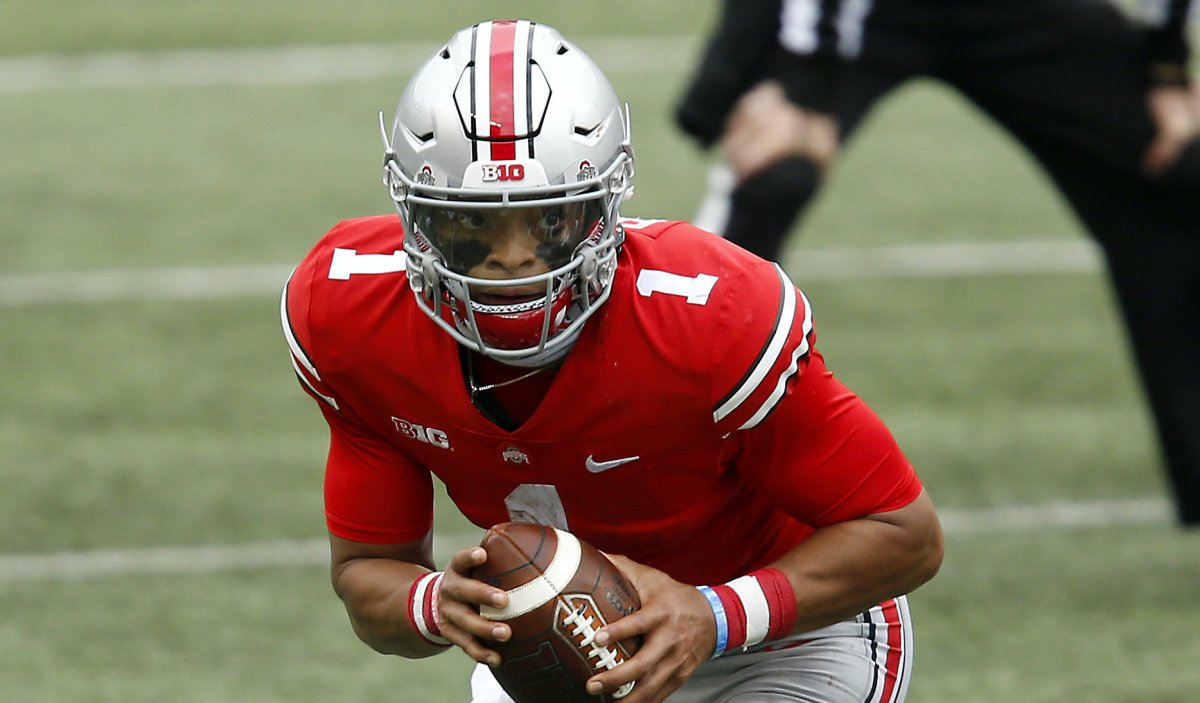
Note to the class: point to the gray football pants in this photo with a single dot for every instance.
(864, 660)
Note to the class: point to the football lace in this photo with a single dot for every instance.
(606, 657)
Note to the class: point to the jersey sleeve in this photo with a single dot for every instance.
(763, 344)
(373, 492)
(824, 456)
(810, 444)
(294, 312)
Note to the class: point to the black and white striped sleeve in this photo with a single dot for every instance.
(817, 37)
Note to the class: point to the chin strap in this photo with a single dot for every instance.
(546, 357)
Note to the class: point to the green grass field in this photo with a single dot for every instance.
(147, 434)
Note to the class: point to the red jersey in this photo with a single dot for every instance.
(692, 427)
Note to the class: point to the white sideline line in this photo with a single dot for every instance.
(73, 566)
(297, 65)
(300, 64)
(909, 261)
(148, 284)
(946, 259)
(1057, 515)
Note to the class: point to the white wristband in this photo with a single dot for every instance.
(422, 608)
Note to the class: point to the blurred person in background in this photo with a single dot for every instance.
(1105, 103)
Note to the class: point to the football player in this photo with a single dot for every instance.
(1105, 104)
(643, 384)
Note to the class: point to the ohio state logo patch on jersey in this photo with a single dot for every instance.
(515, 456)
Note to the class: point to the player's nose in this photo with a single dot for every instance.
(514, 254)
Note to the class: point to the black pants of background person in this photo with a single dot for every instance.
(1062, 77)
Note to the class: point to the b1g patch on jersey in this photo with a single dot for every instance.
(426, 435)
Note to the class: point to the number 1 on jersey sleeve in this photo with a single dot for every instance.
(695, 288)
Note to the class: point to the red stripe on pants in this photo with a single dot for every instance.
(895, 649)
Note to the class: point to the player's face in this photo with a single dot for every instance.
(499, 244)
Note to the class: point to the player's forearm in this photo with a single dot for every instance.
(844, 569)
(376, 593)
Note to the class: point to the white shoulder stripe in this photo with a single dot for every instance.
(774, 348)
(781, 384)
(544, 588)
(297, 350)
(299, 358)
(308, 384)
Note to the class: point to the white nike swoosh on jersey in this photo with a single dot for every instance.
(598, 466)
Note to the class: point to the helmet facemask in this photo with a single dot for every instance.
(454, 196)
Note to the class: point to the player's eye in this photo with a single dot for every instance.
(465, 220)
(550, 219)
(551, 222)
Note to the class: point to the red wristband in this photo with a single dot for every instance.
(422, 608)
(781, 600)
(759, 607)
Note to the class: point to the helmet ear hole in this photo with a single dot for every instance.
(589, 267)
(429, 275)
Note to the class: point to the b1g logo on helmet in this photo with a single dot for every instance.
(502, 172)
(425, 176)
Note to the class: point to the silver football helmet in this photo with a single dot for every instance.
(509, 122)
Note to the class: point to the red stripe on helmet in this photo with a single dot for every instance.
(501, 90)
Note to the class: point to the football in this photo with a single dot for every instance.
(560, 591)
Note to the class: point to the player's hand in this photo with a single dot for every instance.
(765, 127)
(676, 624)
(459, 598)
(1176, 113)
